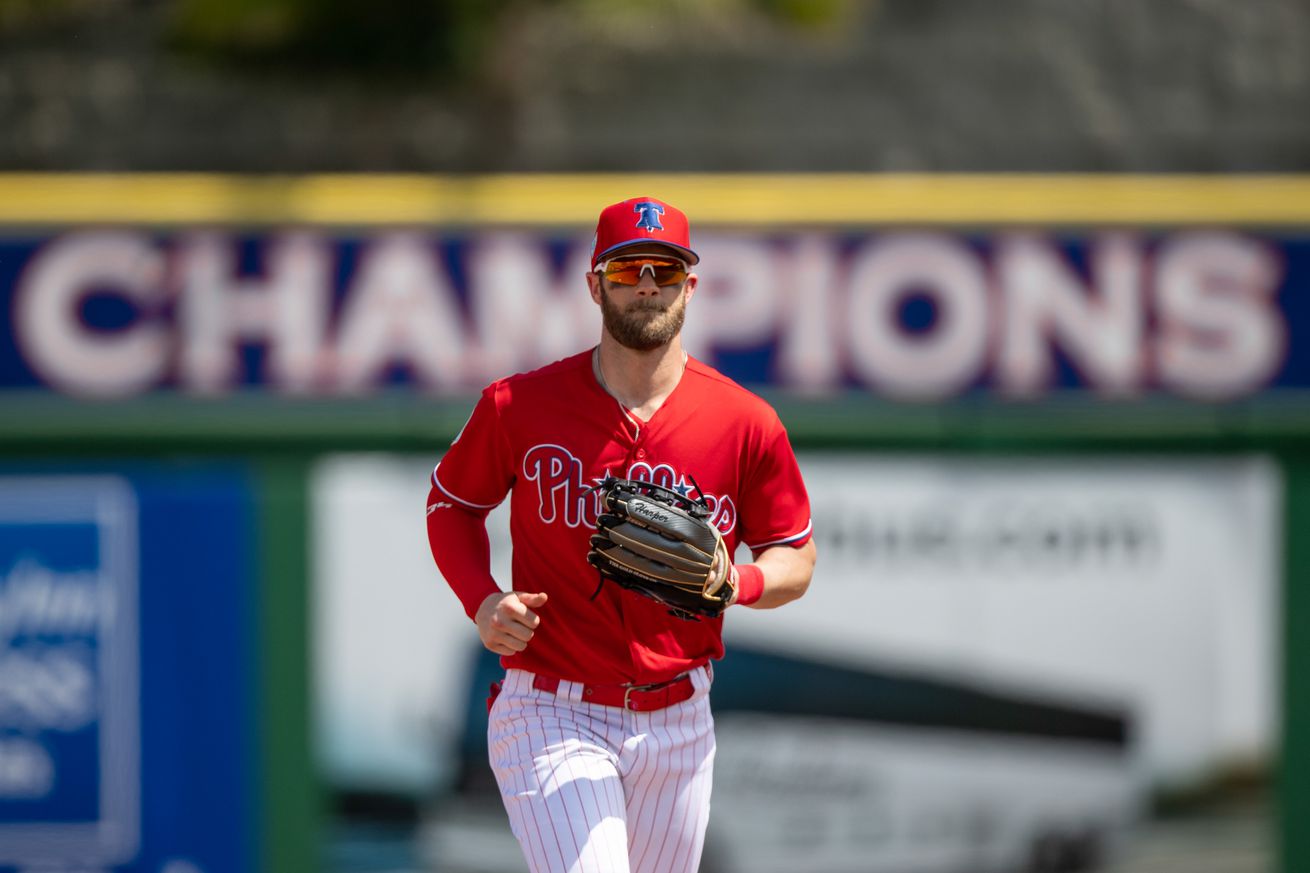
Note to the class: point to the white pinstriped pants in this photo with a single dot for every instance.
(598, 789)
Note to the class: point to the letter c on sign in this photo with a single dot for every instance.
(63, 350)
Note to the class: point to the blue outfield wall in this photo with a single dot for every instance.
(129, 649)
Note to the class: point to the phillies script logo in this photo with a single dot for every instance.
(562, 489)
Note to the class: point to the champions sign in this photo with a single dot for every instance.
(914, 315)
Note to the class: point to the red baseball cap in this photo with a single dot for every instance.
(642, 221)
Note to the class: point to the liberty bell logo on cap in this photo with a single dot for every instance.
(646, 222)
(650, 213)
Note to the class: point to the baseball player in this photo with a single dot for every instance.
(600, 735)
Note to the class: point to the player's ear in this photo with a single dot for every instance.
(690, 287)
(593, 285)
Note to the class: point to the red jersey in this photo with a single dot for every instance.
(548, 436)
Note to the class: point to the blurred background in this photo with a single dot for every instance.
(1027, 282)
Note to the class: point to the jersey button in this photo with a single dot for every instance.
(641, 453)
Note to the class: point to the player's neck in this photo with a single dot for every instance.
(641, 381)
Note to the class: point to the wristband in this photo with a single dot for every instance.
(750, 583)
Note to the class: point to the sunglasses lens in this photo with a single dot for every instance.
(629, 271)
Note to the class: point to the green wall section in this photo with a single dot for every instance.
(1294, 784)
(291, 799)
(262, 422)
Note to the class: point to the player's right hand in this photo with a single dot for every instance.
(506, 620)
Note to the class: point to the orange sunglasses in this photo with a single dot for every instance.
(628, 271)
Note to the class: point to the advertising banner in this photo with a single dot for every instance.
(69, 706)
(1149, 584)
(126, 739)
(1206, 314)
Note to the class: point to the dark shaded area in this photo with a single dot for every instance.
(551, 85)
(760, 681)
(375, 806)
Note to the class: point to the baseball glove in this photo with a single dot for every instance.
(660, 543)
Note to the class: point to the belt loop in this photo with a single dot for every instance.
(570, 691)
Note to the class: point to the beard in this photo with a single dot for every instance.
(644, 325)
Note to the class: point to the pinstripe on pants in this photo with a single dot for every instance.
(593, 788)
